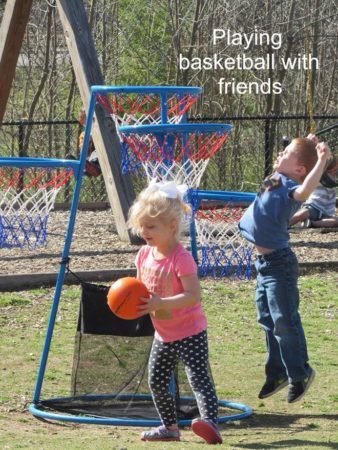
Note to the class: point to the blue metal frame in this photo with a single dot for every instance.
(36, 408)
(65, 253)
(40, 162)
(177, 128)
(162, 91)
(193, 90)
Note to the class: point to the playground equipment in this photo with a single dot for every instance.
(216, 242)
(179, 152)
(28, 189)
(145, 105)
(119, 396)
(109, 377)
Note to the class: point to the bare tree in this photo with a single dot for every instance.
(140, 43)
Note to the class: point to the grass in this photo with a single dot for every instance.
(237, 353)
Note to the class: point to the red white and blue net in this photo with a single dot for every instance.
(177, 153)
(128, 108)
(27, 195)
(222, 250)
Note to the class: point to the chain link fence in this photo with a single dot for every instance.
(50, 139)
(239, 166)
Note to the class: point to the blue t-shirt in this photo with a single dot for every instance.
(265, 223)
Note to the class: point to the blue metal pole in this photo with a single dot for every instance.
(65, 253)
(224, 195)
(193, 241)
(246, 411)
(40, 162)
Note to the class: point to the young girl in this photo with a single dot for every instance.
(170, 274)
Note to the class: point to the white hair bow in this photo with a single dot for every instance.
(168, 189)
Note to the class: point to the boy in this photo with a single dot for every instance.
(92, 167)
(265, 223)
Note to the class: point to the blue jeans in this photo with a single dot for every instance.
(277, 301)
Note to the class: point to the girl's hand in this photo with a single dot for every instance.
(153, 303)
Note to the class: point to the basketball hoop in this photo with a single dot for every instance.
(216, 241)
(26, 197)
(179, 152)
(141, 105)
(224, 251)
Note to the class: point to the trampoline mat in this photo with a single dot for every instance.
(111, 407)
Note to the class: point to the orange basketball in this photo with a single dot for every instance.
(124, 297)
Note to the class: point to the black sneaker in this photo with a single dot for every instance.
(298, 389)
(271, 387)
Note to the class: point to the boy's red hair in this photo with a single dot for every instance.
(306, 152)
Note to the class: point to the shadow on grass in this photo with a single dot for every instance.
(285, 421)
(265, 420)
(289, 443)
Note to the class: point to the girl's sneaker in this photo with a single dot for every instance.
(207, 430)
(160, 433)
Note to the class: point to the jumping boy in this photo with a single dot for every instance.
(298, 170)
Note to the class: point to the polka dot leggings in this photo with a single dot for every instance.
(164, 357)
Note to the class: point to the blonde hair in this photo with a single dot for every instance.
(305, 150)
(154, 204)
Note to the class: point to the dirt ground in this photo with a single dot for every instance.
(96, 246)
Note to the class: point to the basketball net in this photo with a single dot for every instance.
(141, 109)
(223, 251)
(170, 155)
(26, 198)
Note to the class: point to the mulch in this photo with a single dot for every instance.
(96, 247)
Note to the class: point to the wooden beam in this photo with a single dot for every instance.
(12, 31)
(87, 71)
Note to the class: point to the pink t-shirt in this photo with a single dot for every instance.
(162, 276)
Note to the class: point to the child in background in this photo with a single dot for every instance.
(169, 272)
(92, 167)
(319, 210)
(265, 223)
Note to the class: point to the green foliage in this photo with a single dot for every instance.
(144, 64)
(12, 300)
